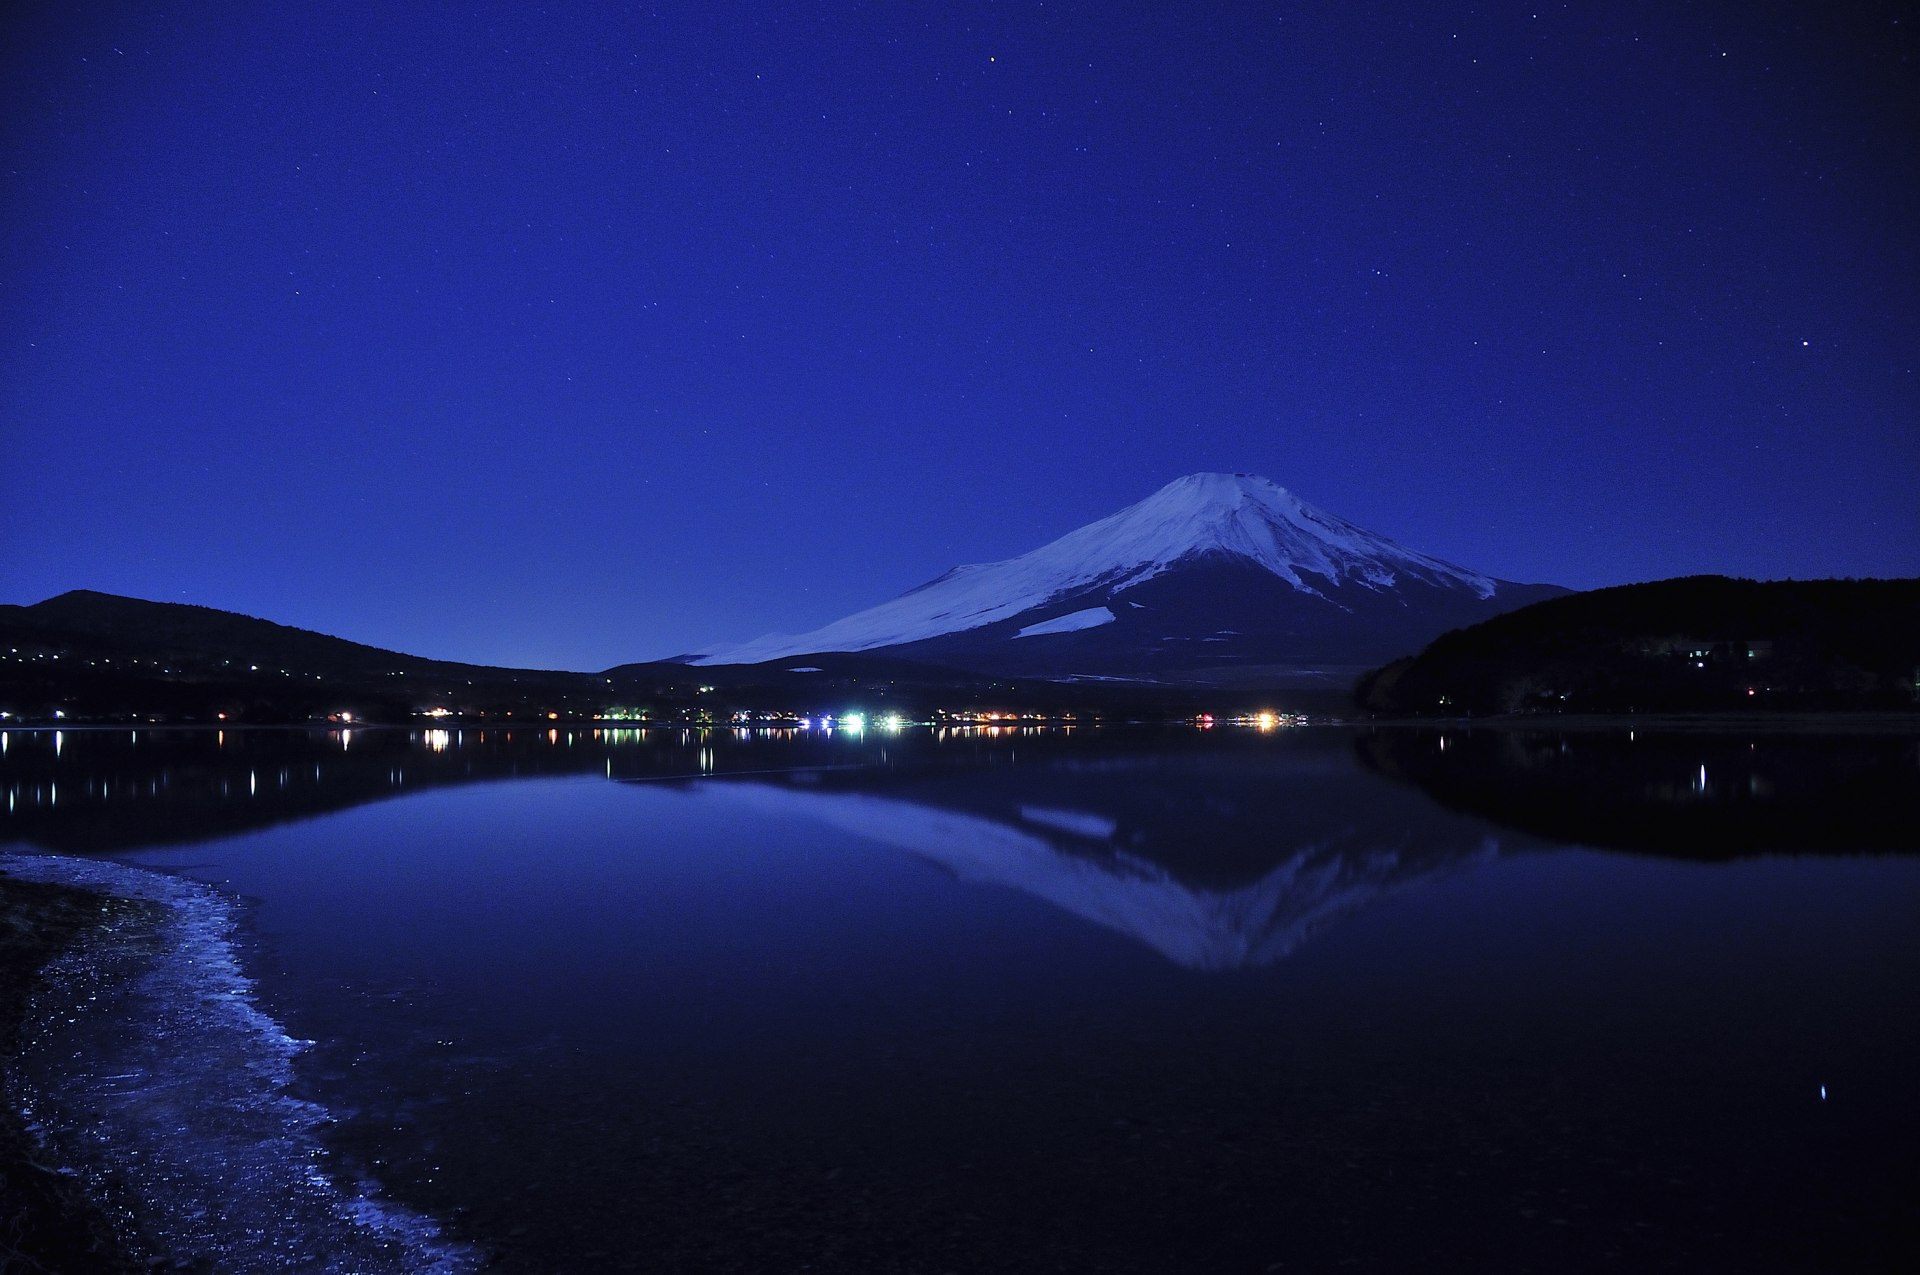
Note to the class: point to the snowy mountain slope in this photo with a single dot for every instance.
(1228, 561)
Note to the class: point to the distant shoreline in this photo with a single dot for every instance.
(1810, 723)
(1863, 721)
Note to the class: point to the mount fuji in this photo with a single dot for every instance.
(1215, 578)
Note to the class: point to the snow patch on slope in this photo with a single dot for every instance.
(1072, 622)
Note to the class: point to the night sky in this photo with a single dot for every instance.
(559, 337)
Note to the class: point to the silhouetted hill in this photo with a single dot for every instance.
(200, 633)
(101, 654)
(1690, 644)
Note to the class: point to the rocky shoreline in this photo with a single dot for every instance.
(47, 1222)
(151, 1116)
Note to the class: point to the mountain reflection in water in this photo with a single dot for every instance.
(1097, 868)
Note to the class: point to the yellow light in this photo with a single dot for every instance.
(1266, 721)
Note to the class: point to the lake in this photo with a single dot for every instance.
(1375, 999)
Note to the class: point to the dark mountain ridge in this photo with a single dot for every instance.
(1687, 644)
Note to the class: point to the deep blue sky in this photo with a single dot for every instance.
(555, 337)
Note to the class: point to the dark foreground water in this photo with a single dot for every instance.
(1298, 1001)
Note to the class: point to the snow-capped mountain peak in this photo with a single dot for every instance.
(1249, 517)
(1219, 518)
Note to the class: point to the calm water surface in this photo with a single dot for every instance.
(1242, 1002)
